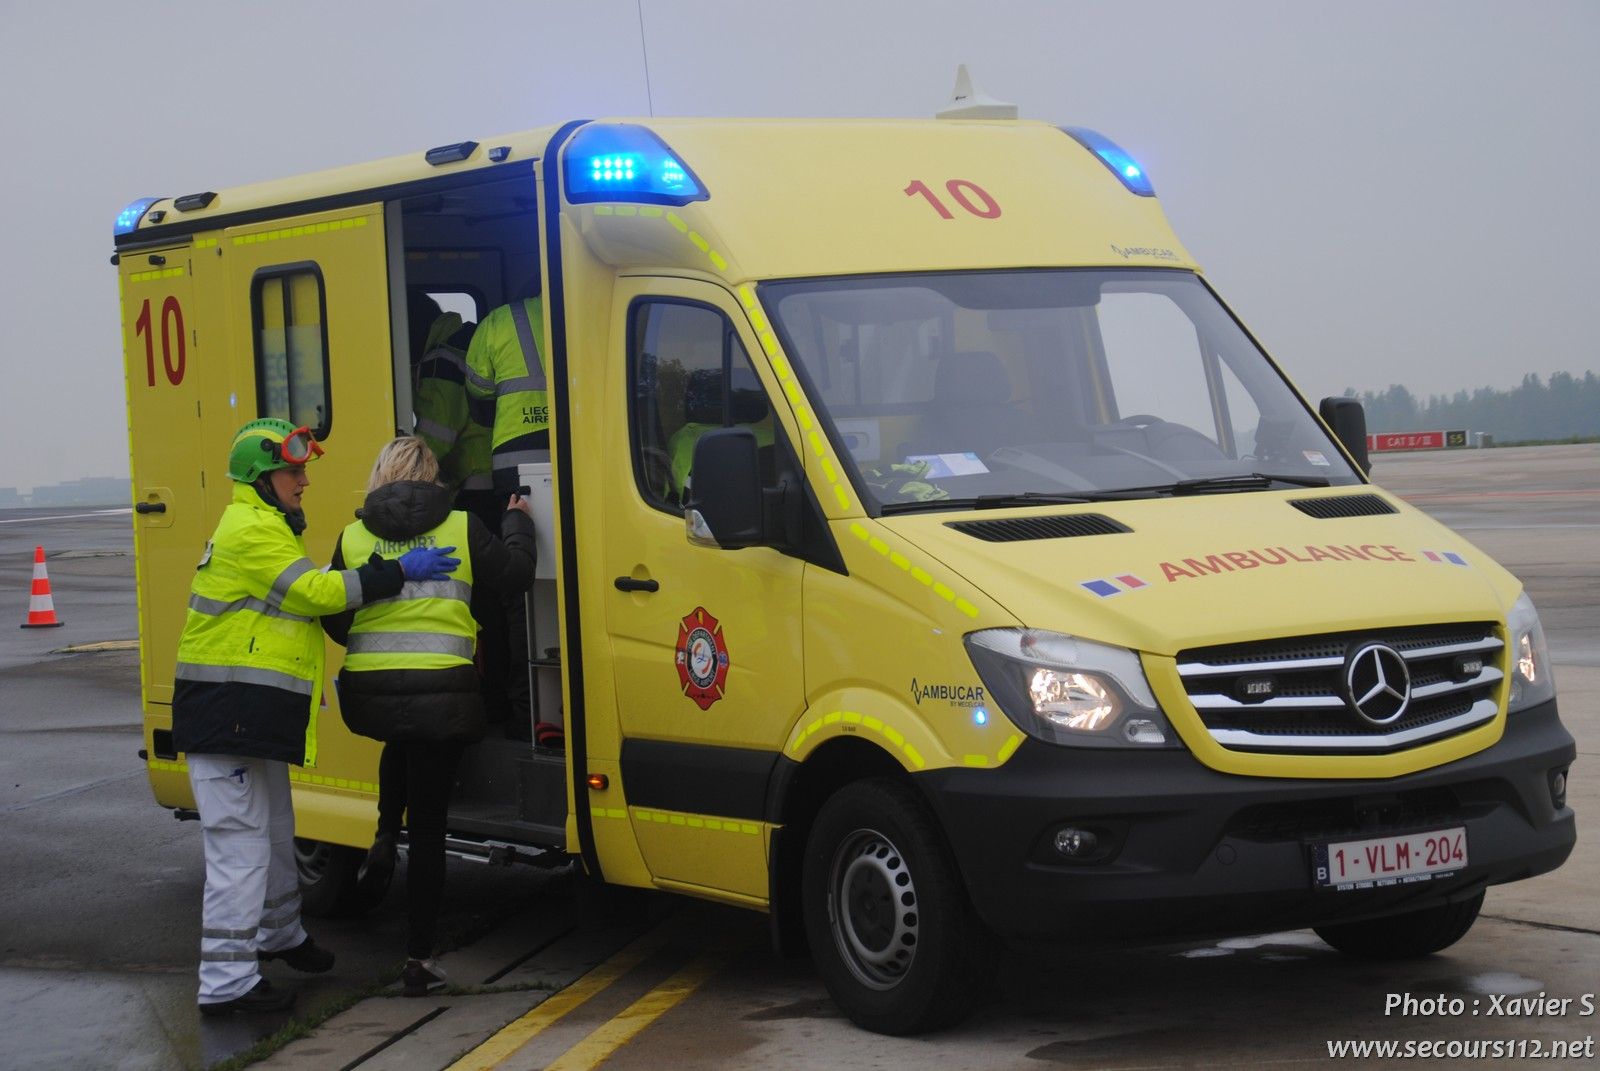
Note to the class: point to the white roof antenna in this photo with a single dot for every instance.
(967, 101)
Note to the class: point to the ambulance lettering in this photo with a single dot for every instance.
(1232, 561)
(702, 658)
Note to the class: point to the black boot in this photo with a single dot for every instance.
(307, 957)
(263, 998)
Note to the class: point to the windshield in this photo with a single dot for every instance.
(988, 388)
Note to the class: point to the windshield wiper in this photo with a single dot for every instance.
(1241, 481)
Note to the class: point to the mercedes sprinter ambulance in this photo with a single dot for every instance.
(928, 555)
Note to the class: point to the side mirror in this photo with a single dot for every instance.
(1349, 423)
(726, 506)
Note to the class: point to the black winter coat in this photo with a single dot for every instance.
(428, 704)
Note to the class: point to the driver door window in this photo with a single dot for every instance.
(688, 373)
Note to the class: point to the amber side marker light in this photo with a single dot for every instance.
(598, 781)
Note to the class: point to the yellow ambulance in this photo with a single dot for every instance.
(928, 556)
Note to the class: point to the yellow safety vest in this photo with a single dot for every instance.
(447, 419)
(504, 363)
(429, 624)
(254, 604)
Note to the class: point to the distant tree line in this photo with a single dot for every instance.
(1564, 408)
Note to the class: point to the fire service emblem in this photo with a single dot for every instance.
(702, 658)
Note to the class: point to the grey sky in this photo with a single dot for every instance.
(1385, 192)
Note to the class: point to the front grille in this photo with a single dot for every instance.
(1060, 526)
(1306, 711)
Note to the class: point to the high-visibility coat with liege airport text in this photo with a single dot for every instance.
(250, 660)
(504, 364)
(429, 624)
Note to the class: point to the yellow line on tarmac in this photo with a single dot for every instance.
(607, 1038)
(519, 1032)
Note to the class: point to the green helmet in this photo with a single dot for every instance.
(267, 444)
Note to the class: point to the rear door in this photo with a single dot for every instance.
(164, 364)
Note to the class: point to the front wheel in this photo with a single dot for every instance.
(892, 933)
(1407, 936)
(328, 886)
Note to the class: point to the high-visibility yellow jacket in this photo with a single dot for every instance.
(428, 624)
(504, 364)
(250, 661)
(455, 426)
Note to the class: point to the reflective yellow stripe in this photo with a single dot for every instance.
(157, 273)
(895, 738)
(919, 574)
(696, 821)
(300, 232)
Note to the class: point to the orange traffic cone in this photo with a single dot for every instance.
(41, 607)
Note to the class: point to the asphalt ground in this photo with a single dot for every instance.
(99, 897)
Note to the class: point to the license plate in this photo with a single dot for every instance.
(1363, 864)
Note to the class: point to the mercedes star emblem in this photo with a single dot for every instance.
(1377, 683)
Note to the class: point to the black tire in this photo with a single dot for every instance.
(1407, 936)
(891, 930)
(328, 886)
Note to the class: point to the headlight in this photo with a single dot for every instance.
(1531, 679)
(1069, 691)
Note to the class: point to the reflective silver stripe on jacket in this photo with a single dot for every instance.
(445, 354)
(483, 384)
(530, 352)
(352, 588)
(518, 383)
(190, 671)
(409, 643)
(435, 430)
(280, 586)
(216, 607)
(459, 590)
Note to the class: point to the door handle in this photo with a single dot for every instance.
(628, 583)
(149, 507)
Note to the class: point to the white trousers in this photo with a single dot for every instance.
(252, 898)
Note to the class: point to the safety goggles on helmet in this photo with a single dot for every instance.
(298, 447)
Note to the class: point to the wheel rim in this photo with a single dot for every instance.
(311, 859)
(872, 909)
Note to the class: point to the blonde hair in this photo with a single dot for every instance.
(405, 458)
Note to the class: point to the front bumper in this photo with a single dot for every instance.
(1190, 852)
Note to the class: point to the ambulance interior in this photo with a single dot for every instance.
(472, 249)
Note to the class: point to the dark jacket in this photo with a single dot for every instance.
(428, 704)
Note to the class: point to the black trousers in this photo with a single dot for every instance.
(503, 620)
(417, 777)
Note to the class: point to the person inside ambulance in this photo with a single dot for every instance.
(506, 370)
(248, 686)
(455, 426)
(707, 405)
(409, 678)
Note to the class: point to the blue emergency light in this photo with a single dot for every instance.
(128, 219)
(1111, 154)
(625, 162)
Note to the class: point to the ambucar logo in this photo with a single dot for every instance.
(1377, 684)
(957, 695)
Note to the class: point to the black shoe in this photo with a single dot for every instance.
(378, 867)
(262, 998)
(307, 957)
(421, 977)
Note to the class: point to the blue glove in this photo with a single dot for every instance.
(428, 563)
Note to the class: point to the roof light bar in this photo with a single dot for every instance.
(1122, 165)
(128, 219)
(625, 162)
